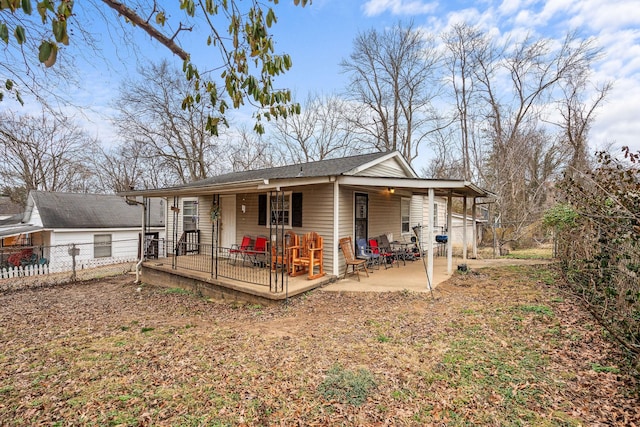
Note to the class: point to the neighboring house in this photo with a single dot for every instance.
(456, 232)
(10, 212)
(361, 196)
(103, 229)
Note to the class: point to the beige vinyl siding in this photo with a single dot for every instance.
(247, 222)
(388, 168)
(317, 215)
(417, 213)
(204, 219)
(346, 218)
(384, 214)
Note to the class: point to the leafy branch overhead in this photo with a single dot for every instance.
(245, 49)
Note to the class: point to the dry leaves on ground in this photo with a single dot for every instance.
(498, 347)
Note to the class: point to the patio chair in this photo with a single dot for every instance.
(364, 251)
(387, 256)
(258, 253)
(350, 260)
(281, 253)
(241, 250)
(385, 246)
(307, 256)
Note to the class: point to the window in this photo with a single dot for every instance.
(189, 215)
(102, 245)
(282, 209)
(435, 215)
(405, 214)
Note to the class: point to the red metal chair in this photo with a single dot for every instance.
(242, 249)
(258, 254)
(388, 257)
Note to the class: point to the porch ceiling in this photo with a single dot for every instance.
(455, 188)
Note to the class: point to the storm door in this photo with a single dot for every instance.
(361, 216)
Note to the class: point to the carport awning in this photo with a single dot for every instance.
(18, 229)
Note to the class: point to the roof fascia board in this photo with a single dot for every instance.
(295, 182)
(196, 190)
(393, 154)
(417, 183)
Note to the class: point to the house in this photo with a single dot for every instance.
(360, 196)
(8, 209)
(95, 229)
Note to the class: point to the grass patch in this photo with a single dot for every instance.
(383, 338)
(178, 291)
(533, 253)
(609, 369)
(346, 386)
(541, 310)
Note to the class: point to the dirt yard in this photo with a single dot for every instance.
(498, 346)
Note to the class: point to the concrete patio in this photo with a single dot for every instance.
(413, 277)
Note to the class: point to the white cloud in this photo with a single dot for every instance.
(398, 7)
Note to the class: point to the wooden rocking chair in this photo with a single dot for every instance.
(346, 245)
(307, 256)
(281, 253)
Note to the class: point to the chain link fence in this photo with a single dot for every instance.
(22, 267)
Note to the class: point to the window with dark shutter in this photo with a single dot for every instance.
(296, 210)
(262, 209)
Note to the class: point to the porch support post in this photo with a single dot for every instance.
(430, 236)
(464, 228)
(475, 229)
(336, 228)
(449, 234)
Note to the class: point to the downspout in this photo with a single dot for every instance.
(142, 234)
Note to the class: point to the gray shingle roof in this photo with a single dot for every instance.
(73, 210)
(328, 167)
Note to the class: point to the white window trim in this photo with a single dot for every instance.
(288, 194)
(103, 245)
(196, 216)
(406, 200)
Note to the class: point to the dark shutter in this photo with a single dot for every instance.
(296, 210)
(262, 209)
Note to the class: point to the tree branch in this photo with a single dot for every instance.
(149, 29)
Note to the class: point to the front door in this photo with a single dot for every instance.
(361, 216)
(227, 221)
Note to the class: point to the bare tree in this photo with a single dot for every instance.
(321, 131)
(248, 150)
(155, 126)
(394, 75)
(577, 116)
(466, 47)
(45, 153)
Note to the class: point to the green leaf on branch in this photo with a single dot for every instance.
(9, 84)
(20, 35)
(42, 7)
(160, 18)
(60, 31)
(4, 32)
(48, 53)
(26, 6)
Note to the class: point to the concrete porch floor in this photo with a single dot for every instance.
(412, 276)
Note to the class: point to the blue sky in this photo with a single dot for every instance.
(320, 35)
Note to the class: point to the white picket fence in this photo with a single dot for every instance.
(24, 271)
